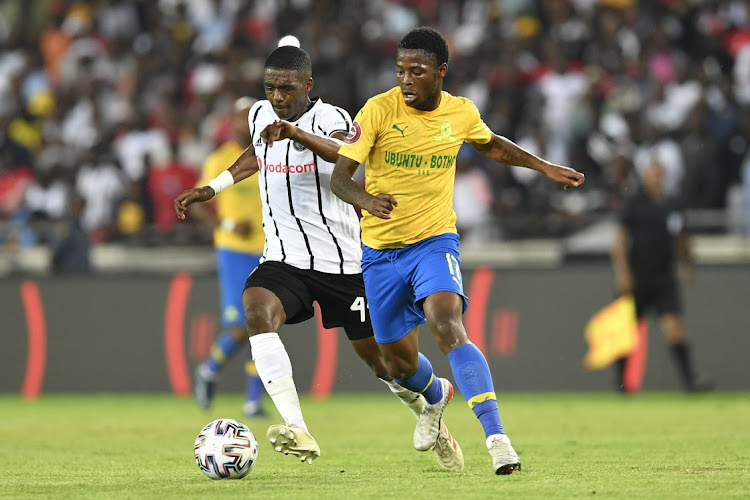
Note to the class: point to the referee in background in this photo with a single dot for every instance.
(651, 248)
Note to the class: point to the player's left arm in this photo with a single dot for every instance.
(505, 151)
(325, 147)
(242, 168)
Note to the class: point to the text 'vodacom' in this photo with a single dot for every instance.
(282, 168)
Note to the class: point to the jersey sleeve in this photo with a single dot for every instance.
(478, 132)
(365, 129)
(333, 120)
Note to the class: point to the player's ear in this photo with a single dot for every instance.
(309, 85)
(442, 70)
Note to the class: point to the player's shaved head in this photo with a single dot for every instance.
(429, 40)
(289, 58)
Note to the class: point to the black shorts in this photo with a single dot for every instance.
(659, 294)
(341, 297)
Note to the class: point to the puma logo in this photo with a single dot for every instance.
(400, 130)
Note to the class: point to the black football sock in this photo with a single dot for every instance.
(619, 366)
(681, 355)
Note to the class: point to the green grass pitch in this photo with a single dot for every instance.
(572, 445)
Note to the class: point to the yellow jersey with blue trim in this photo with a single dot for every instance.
(411, 154)
(240, 202)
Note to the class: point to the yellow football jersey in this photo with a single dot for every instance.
(240, 202)
(411, 154)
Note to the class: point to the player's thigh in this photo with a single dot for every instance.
(286, 283)
(668, 298)
(390, 297)
(437, 268)
(233, 269)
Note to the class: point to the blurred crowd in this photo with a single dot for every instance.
(109, 107)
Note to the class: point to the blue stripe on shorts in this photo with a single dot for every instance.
(398, 280)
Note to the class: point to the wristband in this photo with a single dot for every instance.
(221, 182)
(228, 225)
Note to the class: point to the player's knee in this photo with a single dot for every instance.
(261, 319)
(380, 370)
(448, 330)
(400, 368)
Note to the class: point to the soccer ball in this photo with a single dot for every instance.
(226, 449)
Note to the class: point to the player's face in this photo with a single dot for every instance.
(288, 92)
(653, 178)
(420, 79)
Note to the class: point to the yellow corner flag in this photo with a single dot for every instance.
(611, 333)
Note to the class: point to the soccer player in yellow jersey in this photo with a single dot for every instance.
(239, 240)
(409, 138)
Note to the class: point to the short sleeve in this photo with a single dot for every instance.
(364, 130)
(478, 131)
(332, 121)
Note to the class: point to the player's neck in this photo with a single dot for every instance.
(433, 103)
(310, 104)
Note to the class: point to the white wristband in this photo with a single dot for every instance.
(221, 182)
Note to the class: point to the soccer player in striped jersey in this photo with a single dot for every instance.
(312, 250)
(409, 138)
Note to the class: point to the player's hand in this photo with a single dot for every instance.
(565, 175)
(195, 195)
(381, 205)
(277, 131)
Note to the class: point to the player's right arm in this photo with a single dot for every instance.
(348, 190)
(325, 147)
(505, 151)
(242, 168)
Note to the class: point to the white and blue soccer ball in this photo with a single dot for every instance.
(226, 449)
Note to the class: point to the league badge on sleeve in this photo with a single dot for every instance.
(354, 133)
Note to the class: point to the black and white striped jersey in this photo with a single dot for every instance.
(306, 225)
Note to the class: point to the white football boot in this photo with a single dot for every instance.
(504, 458)
(428, 422)
(293, 440)
(447, 450)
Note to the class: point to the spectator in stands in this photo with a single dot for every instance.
(472, 200)
(98, 182)
(164, 182)
(70, 245)
(143, 72)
